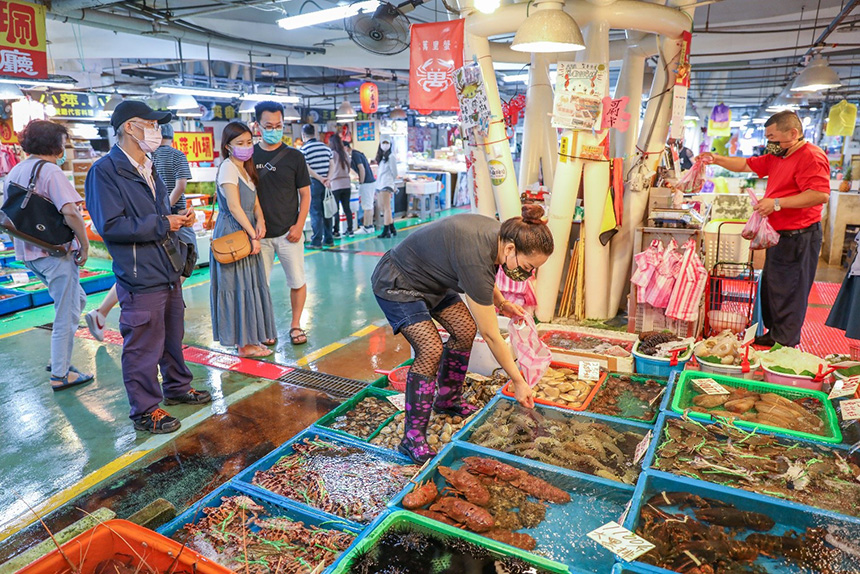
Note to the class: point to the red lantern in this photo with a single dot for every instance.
(369, 95)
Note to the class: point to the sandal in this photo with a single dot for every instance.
(300, 338)
(270, 342)
(60, 383)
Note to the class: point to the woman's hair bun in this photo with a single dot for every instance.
(533, 214)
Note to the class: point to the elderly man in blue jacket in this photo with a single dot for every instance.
(129, 205)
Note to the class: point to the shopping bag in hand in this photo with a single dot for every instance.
(532, 354)
(693, 179)
(758, 229)
(329, 204)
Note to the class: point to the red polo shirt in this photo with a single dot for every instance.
(807, 168)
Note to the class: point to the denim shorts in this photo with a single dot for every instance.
(401, 314)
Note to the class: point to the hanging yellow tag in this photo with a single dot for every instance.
(564, 149)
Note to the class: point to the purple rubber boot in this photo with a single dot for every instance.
(452, 377)
(419, 404)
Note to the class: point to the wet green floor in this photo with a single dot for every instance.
(77, 449)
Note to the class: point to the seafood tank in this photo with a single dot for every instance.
(572, 341)
(629, 396)
(575, 442)
(797, 471)
(698, 530)
(545, 512)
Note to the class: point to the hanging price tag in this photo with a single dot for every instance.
(20, 278)
(844, 387)
(749, 334)
(589, 371)
(398, 400)
(620, 541)
(711, 387)
(850, 410)
(642, 448)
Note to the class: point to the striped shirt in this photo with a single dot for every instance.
(171, 165)
(318, 155)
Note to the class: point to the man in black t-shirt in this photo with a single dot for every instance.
(284, 191)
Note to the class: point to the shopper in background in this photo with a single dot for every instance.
(366, 187)
(420, 280)
(338, 182)
(240, 303)
(284, 192)
(798, 184)
(386, 175)
(45, 143)
(129, 206)
(845, 314)
(318, 157)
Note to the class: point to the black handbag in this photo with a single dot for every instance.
(33, 218)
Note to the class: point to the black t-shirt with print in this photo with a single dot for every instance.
(279, 185)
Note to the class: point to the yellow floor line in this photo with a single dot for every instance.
(304, 361)
(366, 331)
(16, 333)
(71, 492)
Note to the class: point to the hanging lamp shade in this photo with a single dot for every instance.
(247, 106)
(112, 103)
(291, 114)
(181, 102)
(548, 29)
(815, 77)
(345, 111)
(10, 92)
(398, 113)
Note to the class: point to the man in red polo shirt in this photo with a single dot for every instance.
(798, 184)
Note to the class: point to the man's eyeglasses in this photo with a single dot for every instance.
(142, 124)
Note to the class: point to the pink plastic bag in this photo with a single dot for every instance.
(758, 229)
(693, 179)
(533, 355)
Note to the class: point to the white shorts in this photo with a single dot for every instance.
(367, 192)
(291, 255)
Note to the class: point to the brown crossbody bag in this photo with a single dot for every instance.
(229, 248)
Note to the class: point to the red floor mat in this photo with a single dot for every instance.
(823, 293)
(111, 336)
(819, 339)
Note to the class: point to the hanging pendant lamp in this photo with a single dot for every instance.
(548, 29)
(816, 77)
(345, 111)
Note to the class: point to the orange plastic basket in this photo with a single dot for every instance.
(125, 541)
(508, 390)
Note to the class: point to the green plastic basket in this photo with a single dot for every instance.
(427, 526)
(347, 406)
(684, 393)
(636, 378)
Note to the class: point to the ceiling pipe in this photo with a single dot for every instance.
(71, 5)
(118, 23)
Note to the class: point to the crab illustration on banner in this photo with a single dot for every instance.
(435, 52)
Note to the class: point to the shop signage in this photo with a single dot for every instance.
(74, 104)
(197, 146)
(7, 133)
(472, 98)
(225, 112)
(498, 172)
(365, 131)
(435, 52)
(615, 114)
(369, 97)
(682, 86)
(579, 93)
(22, 40)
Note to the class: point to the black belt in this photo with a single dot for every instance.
(795, 232)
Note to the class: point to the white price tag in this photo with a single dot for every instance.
(477, 377)
(711, 387)
(398, 400)
(589, 371)
(844, 387)
(642, 448)
(749, 334)
(20, 278)
(626, 511)
(620, 541)
(850, 410)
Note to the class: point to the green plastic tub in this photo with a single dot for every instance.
(607, 382)
(424, 525)
(684, 393)
(347, 406)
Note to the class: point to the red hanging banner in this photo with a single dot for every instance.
(436, 51)
(22, 40)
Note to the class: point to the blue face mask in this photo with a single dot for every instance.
(272, 137)
(62, 159)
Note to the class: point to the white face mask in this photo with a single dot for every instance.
(385, 146)
(151, 139)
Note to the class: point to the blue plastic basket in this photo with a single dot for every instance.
(562, 537)
(18, 302)
(787, 516)
(246, 476)
(274, 508)
(97, 283)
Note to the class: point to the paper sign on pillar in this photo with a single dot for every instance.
(682, 86)
(579, 92)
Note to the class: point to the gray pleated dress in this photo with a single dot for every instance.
(240, 301)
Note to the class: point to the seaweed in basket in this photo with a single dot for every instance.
(624, 396)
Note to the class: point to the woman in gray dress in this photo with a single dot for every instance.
(240, 302)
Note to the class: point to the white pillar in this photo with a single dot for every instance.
(540, 140)
(480, 189)
(630, 85)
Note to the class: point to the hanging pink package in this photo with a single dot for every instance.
(693, 179)
(758, 229)
(533, 355)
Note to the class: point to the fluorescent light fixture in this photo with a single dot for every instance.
(198, 92)
(328, 15)
(691, 118)
(181, 102)
(487, 6)
(38, 84)
(291, 114)
(816, 77)
(247, 107)
(280, 98)
(524, 78)
(345, 111)
(190, 113)
(759, 121)
(548, 29)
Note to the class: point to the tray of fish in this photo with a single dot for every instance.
(612, 349)
(562, 387)
(792, 411)
(517, 502)
(590, 444)
(245, 531)
(793, 470)
(345, 478)
(629, 396)
(362, 416)
(696, 527)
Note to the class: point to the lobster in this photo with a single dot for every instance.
(471, 516)
(420, 496)
(490, 467)
(437, 516)
(467, 485)
(735, 518)
(517, 539)
(682, 500)
(540, 489)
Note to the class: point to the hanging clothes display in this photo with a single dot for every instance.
(690, 283)
(646, 265)
(9, 158)
(660, 289)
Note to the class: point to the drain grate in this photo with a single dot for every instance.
(46, 326)
(335, 386)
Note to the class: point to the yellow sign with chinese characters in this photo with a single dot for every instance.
(22, 40)
(197, 146)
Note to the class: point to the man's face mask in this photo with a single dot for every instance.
(774, 147)
(517, 273)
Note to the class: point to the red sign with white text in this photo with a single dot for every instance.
(22, 40)
(435, 52)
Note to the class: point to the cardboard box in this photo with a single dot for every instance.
(573, 357)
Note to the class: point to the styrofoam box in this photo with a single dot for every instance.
(572, 357)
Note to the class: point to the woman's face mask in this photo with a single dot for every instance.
(62, 159)
(385, 146)
(518, 273)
